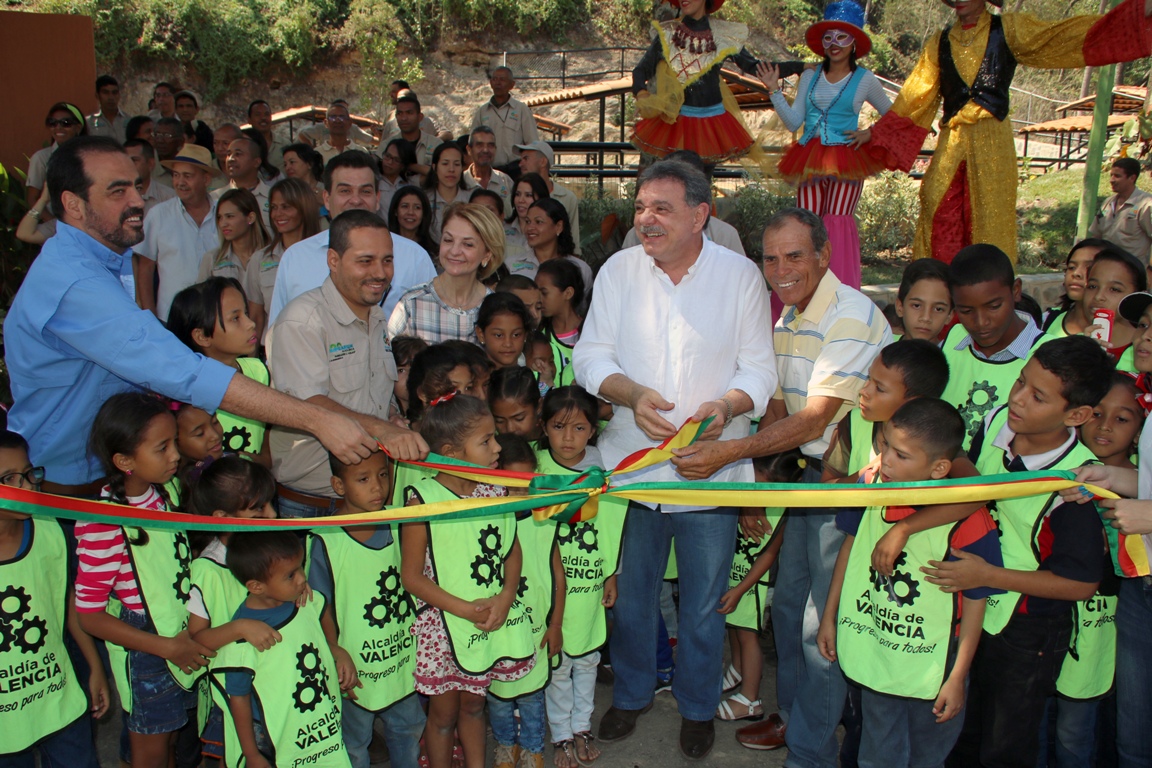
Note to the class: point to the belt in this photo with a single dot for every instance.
(317, 502)
(87, 490)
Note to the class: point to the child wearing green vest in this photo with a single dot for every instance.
(199, 437)
(1054, 552)
(368, 616)
(747, 600)
(228, 487)
(1113, 275)
(285, 700)
(502, 327)
(212, 318)
(1072, 315)
(154, 659)
(562, 291)
(464, 573)
(923, 300)
(907, 642)
(1111, 434)
(43, 707)
(990, 345)
(589, 552)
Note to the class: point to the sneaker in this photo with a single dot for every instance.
(664, 679)
(530, 760)
(506, 755)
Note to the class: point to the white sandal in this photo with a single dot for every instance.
(753, 710)
(732, 679)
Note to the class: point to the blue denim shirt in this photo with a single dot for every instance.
(73, 338)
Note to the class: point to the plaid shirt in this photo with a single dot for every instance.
(422, 313)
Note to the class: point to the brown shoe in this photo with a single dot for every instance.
(766, 735)
(696, 738)
(619, 723)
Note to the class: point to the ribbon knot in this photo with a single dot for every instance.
(589, 484)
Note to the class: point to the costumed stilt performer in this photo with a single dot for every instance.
(826, 163)
(968, 194)
(682, 102)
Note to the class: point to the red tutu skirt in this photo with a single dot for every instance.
(803, 162)
(715, 139)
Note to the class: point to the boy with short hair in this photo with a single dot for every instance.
(1054, 552)
(368, 616)
(43, 707)
(285, 701)
(897, 636)
(903, 370)
(990, 345)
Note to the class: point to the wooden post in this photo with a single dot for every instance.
(1105, 78)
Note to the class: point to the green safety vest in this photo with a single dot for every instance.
(468, 555)
(893, 634)
(242, 433)
(39, 692)
(535, 598)
(373, 615)
(163, 572)
(1054, 327)
(1127, 361)
(975, 385)
(298, 691)
(1019, 520)
(590, 552)
(1089, 669)
(863, 450)
(222, 595)
(561, 358)
(751, 610)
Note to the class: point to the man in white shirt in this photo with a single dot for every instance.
(338, 121)
(679, 329)
(510, 119)
(538, 157)
(351, 181)
(177, 233)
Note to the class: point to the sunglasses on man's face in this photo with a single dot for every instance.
(62, 122)
(838, 39)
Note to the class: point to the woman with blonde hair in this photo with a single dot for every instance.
(295, 215)
(471, 249)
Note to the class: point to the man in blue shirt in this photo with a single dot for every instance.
(74, 337)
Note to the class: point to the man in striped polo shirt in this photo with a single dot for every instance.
(825, 342)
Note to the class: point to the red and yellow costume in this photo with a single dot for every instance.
(968, 194)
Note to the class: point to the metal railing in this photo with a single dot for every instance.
(568, 66)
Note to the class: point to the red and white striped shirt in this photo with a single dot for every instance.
(105, 569)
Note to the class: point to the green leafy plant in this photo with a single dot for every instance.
(887, 214)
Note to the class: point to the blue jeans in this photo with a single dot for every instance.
(1134, 673)
(501, 716)
(704, 542)
(403, 727)
(904, 733)
(69, 747)
(810, 690)
(288, 508)
(1074, 745)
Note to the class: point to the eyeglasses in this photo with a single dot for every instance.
(28, 478)
(339, 118)
(158, 135)
(61, 122)
(838, 39)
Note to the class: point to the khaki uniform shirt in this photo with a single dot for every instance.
(500, 183)
(513, 123)
(116, 128)
(318, 346)
(1128, 225)
(260, 191)
(327, 151)
(571, 203)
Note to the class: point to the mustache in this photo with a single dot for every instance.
(130, 213)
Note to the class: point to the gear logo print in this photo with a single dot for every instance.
(901, 587)
(237, 439)
(392, 604)
(487, 567)
(17, 628)
(312, 686)
(747, 549)
(183, 583)
(981, 399)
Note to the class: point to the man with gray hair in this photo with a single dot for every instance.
(510, 119)
(678, 330)
(482, 143)
(825, 341)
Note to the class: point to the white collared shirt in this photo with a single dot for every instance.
(304, 266)
(691, 342)
(176, 243)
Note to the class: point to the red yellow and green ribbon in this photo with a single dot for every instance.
(572, 498)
